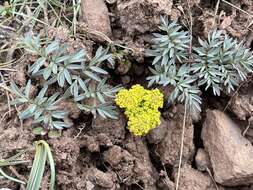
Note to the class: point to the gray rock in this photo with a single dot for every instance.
(95, 15)
(230, 153)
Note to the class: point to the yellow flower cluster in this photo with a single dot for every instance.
(141, 108)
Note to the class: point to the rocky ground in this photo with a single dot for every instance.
(102, 154)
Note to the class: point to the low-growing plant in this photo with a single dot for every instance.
(83, 81)
(141, 108)
(219, 62)
(43, 109)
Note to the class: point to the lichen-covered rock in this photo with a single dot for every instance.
(230, 153)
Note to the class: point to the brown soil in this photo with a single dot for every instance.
(102, 154)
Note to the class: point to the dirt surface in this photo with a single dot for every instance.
(98, 154)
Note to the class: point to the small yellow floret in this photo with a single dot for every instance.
(141, 107)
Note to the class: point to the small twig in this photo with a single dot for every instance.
(14, 171)
(181, 148)
(139, 185)
(191, 23)
(8, 89)
(216, 11)
(7, 94)
(5, 114)
(211, 176)
(80, 131)
(232, 5)
(230, 100)
(104, 37)
(5, 87)
(248, 126)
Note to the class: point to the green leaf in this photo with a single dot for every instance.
(42, 153)
(98, 70)
(60, 125)
(52, 47)
(61, 79)
(67, 76)
(38, 130)
(16, 90)
(59, 114)
(37, 65)
(42, 92)
(54, 134)
(62, 58)
(27, 88)
(77, 57)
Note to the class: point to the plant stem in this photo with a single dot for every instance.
(181, 147)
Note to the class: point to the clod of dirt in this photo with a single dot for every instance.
(132, 165)
(60, 33)
(93, 143)
(66, 152)
(101, 179)
(126, 79)
(95, 15)
(114, 129)
(165, 183)
(226, 22)
(123, 67)
(242, 105)
(71, 107)
(142, 15)
(19, 76)
(169, 148)
(143, 170)
(191, 179)
(122, 162)
(116, 154)
(204, 24)
(230, 153)
(202, 160)
(157, 134)
(14, 138)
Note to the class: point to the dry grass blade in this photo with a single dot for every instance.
(10, 162)
(232, 5)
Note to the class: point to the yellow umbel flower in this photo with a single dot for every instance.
(141, 107)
